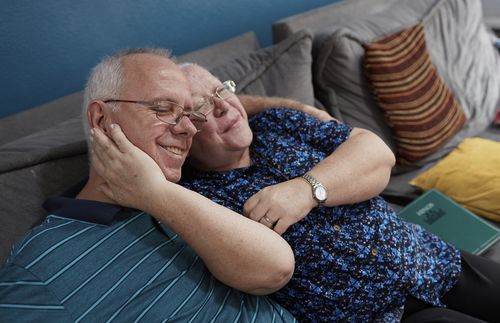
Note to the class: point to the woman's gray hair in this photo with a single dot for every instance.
(189, 67)
(106, 78)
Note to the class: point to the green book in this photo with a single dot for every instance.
(451, 222)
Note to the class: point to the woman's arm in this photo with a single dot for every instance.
(254, 104)
(356, 171)
(359, 169)
(238, 251)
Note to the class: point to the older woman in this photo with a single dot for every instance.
(317, 184)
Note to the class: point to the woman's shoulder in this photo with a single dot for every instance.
(277, 118)
(280, 112)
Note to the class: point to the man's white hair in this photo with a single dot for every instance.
(106, 79)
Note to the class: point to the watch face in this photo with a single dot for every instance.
(320, 193)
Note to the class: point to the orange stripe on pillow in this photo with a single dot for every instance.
(417, 104)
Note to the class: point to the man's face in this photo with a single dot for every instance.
(226, 130)
(150, 77)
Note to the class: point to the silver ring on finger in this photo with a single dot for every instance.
(268, 220)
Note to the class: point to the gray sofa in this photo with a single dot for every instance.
(316, 59)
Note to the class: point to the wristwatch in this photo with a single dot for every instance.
(319, 192)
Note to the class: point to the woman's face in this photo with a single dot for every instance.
(226, 134)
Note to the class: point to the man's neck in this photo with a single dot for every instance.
(91, 192)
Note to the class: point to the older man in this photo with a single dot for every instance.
(94, 260)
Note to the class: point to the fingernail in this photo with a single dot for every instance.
(112, 126)
(92, 131)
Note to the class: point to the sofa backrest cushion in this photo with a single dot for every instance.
(219, 53)
(318, 19)
(283, 69)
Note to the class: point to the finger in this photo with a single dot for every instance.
(120, 139)
(97, 163)
(325, 116)
(267, 221)
(106, 190)
(281, 226)
(103, 167)
(258, 212)
(103, 146)
(250, 204)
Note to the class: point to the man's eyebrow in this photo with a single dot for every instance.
(186, 106)
(164, 98)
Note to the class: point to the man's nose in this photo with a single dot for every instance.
(184, 127)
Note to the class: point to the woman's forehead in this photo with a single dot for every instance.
(204, 85)
(201, 78)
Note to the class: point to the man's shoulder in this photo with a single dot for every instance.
(42, 237)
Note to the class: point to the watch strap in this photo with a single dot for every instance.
(311, 180)
(314, 183)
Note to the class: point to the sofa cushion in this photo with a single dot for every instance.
(282, 70)
(470, 175)
(418, 106)
(222, 52)
(36, 167)
(323, 17)
(459, 46)
(60, 141)
(401, 192)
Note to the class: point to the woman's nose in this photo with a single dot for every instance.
(220, 108)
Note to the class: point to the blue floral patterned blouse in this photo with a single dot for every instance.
(354, 262)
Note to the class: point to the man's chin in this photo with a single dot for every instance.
(171, 168)
(172, 175)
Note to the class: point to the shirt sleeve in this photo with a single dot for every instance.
(24, 298)
(324, 136)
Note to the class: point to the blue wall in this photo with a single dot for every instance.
(47, 47)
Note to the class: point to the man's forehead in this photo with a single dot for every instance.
(154, 75)
(146, 63)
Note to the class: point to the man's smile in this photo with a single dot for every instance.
(174, 150)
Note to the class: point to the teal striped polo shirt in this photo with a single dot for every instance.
(96, 262)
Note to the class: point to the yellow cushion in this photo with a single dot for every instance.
(470, 175)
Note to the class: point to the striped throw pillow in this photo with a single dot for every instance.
(419, 107)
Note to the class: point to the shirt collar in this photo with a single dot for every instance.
(86, 210)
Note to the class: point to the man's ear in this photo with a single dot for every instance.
(98, 115)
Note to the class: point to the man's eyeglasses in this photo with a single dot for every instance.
(204, 106)
(168, 111)
(172, 113)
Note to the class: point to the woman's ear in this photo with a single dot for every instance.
(98, 115)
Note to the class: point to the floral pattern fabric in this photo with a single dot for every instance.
(354, 262)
